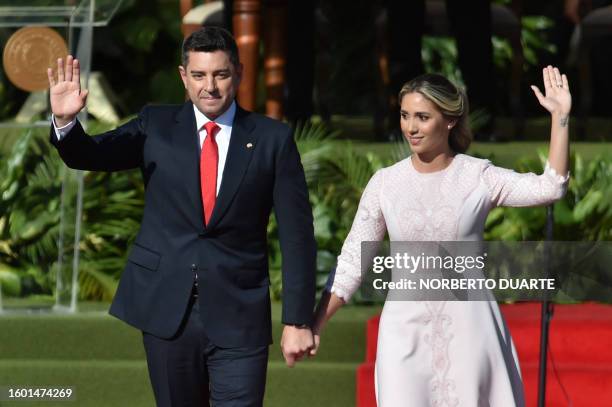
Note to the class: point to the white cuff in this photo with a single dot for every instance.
(340, 293)
(60, 132)
(553, 173)
(334, 287)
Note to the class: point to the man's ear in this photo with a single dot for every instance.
(183, 74)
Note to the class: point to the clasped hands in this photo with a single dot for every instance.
(298, 342)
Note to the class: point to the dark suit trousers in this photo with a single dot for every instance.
(188, 370)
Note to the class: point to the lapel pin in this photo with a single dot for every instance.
(249, 145)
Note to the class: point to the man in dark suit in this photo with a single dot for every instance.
(196, 281)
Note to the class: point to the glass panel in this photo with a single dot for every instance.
(41, 199)
(57, 13)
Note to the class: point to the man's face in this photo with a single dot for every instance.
(211, 80)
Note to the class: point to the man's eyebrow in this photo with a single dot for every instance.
(193, 71)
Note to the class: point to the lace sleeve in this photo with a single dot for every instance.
(368, 225)
(509, 188)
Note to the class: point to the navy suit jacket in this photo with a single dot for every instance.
(262, 171)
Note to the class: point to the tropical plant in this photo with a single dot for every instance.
(336, 173)
(30, 187)
(584, 213)
(28, 219)
(336, 176)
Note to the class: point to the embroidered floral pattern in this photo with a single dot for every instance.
(445, 205)
(439, 338)
(369, 225)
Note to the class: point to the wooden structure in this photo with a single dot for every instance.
(247, 17)
(250, 18)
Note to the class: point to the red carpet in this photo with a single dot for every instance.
(580, 341)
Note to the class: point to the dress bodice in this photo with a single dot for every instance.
(451, 204)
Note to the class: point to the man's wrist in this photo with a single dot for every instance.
(63, 121)
(299, 326)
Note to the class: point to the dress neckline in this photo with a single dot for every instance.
(442, 171)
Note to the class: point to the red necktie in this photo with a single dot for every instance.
(209, 159)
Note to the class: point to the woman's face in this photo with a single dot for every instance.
(425, 128)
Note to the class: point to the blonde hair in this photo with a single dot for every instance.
(450, 100)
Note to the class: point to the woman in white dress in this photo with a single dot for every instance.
(445, 353)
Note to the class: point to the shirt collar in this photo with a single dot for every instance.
(225, 120)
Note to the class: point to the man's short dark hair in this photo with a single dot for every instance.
(210, 39)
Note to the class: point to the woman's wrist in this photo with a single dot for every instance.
(561, 118)
(319, 322)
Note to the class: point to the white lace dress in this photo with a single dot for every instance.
(437, 353)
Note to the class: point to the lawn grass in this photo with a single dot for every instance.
(95, 383)
(103, 359)
(126, 383)
(98, 336)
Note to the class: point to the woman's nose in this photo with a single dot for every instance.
(412, 126)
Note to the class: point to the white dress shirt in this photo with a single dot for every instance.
(225, 122)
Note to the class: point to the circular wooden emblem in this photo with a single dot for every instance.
(28, 53)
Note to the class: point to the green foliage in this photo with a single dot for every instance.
(584, 213)
(586, 210)
(30, 188)
(336, 172)
(336, 176)
(141, 32)
(533, 39)
(9, 280)
(440, 53)
(29, 220)
(140, 53)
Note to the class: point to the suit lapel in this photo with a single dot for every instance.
(241, 147)
(186, 153)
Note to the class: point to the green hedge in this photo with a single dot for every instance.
(336, 172)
